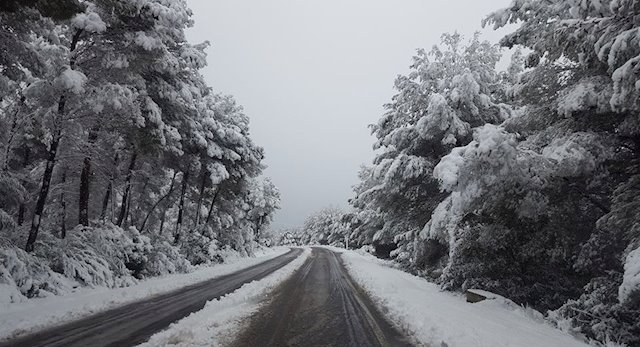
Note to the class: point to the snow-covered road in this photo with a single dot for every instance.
(319, 305)
(134, 323)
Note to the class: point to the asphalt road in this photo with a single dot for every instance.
(320, 305)
(134, 323)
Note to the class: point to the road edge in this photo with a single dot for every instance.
(220, 320)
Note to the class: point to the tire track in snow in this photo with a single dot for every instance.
(320, 305)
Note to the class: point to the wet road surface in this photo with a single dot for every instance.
(320, 305)
(134, 323)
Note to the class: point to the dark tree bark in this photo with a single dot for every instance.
(22, 210)
(83, 200)
(213, 202)
(127, 214)
(85, 183)
(127, 189)
(105, 201)
(108, 194)
(200, 198)
(185, 181)
(134, 218)
(51, 159)
(163, 216)
(146, 218)
(46, 183)
(63, 207)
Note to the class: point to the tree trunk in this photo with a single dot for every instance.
(185, 180)
(21, 212)
(146, 218)
(200, 198)
(23, 205)
(15, 124)
(127, 215)
(46, 182)
(105, 201)
(85, 182)
(213, 202)
(134, 217)
(127, 189)
(63, 207)
(83, 200)
(162, 218)
(51, 159)
(259, 223)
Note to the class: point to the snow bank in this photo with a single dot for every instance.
(221, 320)
(38, 313)
(436, 318)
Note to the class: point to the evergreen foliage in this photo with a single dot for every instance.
(117, 160)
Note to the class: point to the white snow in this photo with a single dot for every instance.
(147, 42)
(71, 80)
(631, 279)
(436, 318)
(583, 96)
(221, 320)
(20, 318)
(89, 21)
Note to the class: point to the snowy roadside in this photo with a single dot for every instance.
(437, 318)
(38, 313)
(221, 320)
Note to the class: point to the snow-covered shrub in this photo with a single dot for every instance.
(165, 258)
(80, 262)
(106, 256)
(224, 253)
(23, 275)
(599, 315)
(195, 247)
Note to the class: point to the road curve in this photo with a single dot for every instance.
(134, 323)
(320, 305)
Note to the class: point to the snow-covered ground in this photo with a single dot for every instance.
(419, 308)
(437, 318)
(19, 318)
(221, 320)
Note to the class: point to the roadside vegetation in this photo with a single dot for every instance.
(117, 161)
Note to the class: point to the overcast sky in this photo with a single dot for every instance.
(312, 74)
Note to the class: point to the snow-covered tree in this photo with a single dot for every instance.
(326, 227)
(264, 200)
(106, 122)
(521, 182)
(577, 131)
(450, 90)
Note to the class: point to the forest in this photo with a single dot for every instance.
(118, 161)
(522, 181)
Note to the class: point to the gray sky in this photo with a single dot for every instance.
(312, 74)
